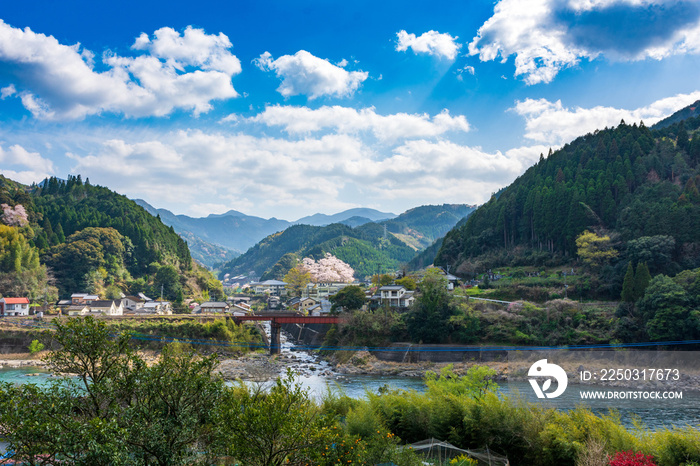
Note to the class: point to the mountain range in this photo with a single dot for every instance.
(635, 185)
(219, 238)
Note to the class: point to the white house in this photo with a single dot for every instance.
(155, 307)
(318, 291)
(14, 307)
(396, 296)
(273, 287)
(107, 307)
(215, 307)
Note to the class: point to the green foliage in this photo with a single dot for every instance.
(363, 248)
(296, 279)
(626, 180)
(35, 347)
(349, 298)
(666, 313)
(595, 250)
(641, 280)
(271, 428)
(427, 320)
(628, 289)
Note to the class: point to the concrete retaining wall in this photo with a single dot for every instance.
(406, 352)
(307, 334)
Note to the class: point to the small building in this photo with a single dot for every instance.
(306, 303)
(213, 307)
(133, 303)
(83, 298)
(395, 296)
(322, 308)
(238, 310)
(109, 307)
(76, 310)
(14, 307)
(319, 291)
(272, 287)
(156, 307)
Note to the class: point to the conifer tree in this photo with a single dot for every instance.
(641, 280)
(628, 285)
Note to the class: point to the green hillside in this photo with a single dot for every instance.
(95, 240)
(429, 222)
(637, 185)
(365, 248)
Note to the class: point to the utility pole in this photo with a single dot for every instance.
(161, 292)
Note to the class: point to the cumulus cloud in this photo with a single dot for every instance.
(56, 81)
(27, 167)
(304, 73)
(322, 173)
(548, 35)
(433, 43)
(6, 92)
(552, 123)
(296, 120)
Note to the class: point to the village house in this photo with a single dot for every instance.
(272, 287)
(239, 309)
(133, 303)
(395, 296)
(107, 307)
(212, 307)
(14, 307)
(322, 308)
(83, 298)
(76, 310)
(155, 307)
(318, 291)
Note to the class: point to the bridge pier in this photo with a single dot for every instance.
(275, 330)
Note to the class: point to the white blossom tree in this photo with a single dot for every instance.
(14, 217)
(328, 269)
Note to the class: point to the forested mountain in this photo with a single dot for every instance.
(323, 219)
(232, 230)
(365, 248)
(637, 185)
(95, 240)
(423, 225)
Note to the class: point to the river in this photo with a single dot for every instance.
(318, 377)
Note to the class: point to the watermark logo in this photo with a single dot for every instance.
(543, 369)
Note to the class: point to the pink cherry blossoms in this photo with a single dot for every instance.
(329, 269)
(16, 217)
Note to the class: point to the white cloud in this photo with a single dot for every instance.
(431, 42)
(32, 167)
(192, 48)
(552, 123)
(548, 35)
(326, 173)
(56, 81)
(303, 73)
(6, 92)
(349, 120)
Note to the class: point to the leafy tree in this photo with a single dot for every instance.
(641, 280)
(382, 280)
(427, 320)
(628, 289)
(272, 428)
(655, 251)
(349, 298)
(666, 312)
(595, 250)
(297, 278)
(407, 282)
(36, 346)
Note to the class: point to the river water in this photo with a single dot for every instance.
(318, 377)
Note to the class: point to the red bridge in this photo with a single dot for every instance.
(278, 318)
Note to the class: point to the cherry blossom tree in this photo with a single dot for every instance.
(328, 269)
(14, 217)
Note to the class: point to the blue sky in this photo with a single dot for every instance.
(279, 108)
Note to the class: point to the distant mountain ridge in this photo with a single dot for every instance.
(369, 247)
(237, 232)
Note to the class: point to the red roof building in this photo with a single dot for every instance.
(14, 307)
